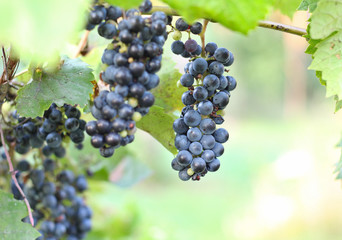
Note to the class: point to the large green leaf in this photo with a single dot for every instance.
(11, 226)
(308, 4)
(39, 28)
(288, 7)
(325, 45)
(326, 19)
(168, 94)
(70, 84)
(158, 123)
(125, 4)
(327, 59)
(238, 15)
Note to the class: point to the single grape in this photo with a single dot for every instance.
(182, 142)
(211, 82)
(221, 135)
(198, 165)
(190, 45)
(184, 158)
(210, 48)
(216, 68)
(214, 165)
(207, 126)
(188, 98)
(196, 148)
(192, 118)
(180, 127)
(193, 134)
(181, 25)
(200, 93)
(221, 99)
(208, 142)
(231, 83)
(187, 80)
(107, 30)
(208, 155)
(196, 28)
(205, 107)
(221, 55)
(200, 65)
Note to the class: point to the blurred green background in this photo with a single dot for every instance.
(276, 178)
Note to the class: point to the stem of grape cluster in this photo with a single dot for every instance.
(202, 35)
(13, 172)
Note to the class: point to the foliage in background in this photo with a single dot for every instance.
(39, 29)
(11, 226)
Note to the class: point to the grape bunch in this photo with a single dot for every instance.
(190, 48)
(130, 64)
(57, 125)
(198, 139)
(59, 210)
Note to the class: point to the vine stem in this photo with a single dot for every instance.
(265, 24)
(12, 172)
(202, 35)
(21, 73)
(82, 44)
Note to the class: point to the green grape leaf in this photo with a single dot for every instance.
(71, 84)
(326, 19)
(11, 226)
(167, 94)
(311, 49)
(38, 29)
(288, 7)
(327, 59)
(308, 4)
(338, 105)
(125, 4)
(238, 15)
(158, 124)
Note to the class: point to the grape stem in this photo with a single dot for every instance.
(82, 44)
(265, 24)
(202, 35)
(21, 73)
(13, 172)
(10, 66)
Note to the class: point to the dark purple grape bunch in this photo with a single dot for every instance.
(198, 139)
(3, 169)
(60, 211)
(190, 48)
(131, 62)
(48, 132)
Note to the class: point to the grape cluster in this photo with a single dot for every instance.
(198, 140)
(56, 125)
(130, 64)
(3, 169)
(59, 210)
(190, 48)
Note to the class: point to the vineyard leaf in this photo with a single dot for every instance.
(11, 226)
(238, 15)
(125, 4)
(167, 94)
(326, 19)
(308, 4)
(159, 125)
(327, 59)
(338, 104)
(287, 7)
(38, 29)
(70, 84)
